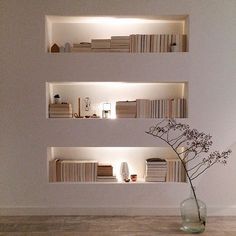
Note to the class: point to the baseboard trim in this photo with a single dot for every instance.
(126, 211)
(129, 211)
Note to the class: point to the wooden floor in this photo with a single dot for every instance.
(108, 226)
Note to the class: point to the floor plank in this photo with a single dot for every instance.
(108, 226)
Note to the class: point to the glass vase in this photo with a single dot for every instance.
(193, 213)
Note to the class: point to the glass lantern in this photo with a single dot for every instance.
(106, 112)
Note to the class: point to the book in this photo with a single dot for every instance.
(106, 179)
(126, 109)
(105, 170)
(100, 43)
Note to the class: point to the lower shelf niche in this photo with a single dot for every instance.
(114, 165)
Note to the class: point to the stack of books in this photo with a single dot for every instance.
(157, 43)
(81, 47)
(106, 179)
(105, 173)
(175, 171)
(143, 108)
(126, 109)
(60, 110)
(105, 170)
(120, 43)
(156, 170)
(101, 45)
(72, 171)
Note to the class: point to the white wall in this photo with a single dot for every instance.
(26, 133)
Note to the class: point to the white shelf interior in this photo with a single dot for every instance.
(76, 29)
(111, 92)
(134, 156)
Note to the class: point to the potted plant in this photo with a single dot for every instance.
(195, 162)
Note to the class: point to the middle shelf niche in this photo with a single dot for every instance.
(101, 93)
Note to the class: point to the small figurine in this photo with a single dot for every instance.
(55, 48)
(57, 99)
(62, 49)
(87, 103)
(67, 47)
(173, 47)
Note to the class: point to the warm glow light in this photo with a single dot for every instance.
(115, 20)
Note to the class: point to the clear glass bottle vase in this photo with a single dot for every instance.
(193, 213)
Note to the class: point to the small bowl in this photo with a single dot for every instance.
(133, 177)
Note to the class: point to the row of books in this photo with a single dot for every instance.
(145, 108)
(72, 170)
(135, 43)
(175, 171)
(168, 108)
(157, 170)
(158, 43)
(60, 110)
(80, 171)
(161, 170)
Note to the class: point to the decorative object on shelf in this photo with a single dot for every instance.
(67, 47)
(189, 213)
(124, 171)
(87, 103)
(78, 115)
(57, 99)
(195, 144)
(133, 177)
(173, 47)
(55, 48)
(79, 107)
(62, 49)
(95, 116)
(106, 112)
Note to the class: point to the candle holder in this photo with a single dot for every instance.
(106, 112)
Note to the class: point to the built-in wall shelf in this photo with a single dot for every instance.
(91, 164)
(117, 33)
(110, 100)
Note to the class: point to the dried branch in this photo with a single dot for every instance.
(195, 142)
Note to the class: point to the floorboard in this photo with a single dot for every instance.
(108, 226)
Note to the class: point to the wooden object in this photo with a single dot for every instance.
(55, 48)
(79, 107)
